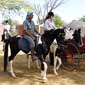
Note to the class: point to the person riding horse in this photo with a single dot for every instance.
(48, 26)
(31, 32)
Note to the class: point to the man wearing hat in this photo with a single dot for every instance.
(30, 29)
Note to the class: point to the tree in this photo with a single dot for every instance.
(58, 21)
(42, 9)
(9, 4)
(12, 30)
(8, 7)
(82, 19)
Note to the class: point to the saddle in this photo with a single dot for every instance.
(24, 45)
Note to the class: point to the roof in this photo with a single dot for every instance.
(75, 24)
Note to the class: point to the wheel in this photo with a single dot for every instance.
(73, 57)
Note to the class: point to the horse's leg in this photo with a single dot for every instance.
(11, 58)
(60, 63)
(28, 60)
(51, 58)
(11, 69)
(3, 46)
(43, 68)
(53, 50)
(51, 54)
(5, 56)
(54, 68)
(37, 64)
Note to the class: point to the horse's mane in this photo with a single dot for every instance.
(59, 35)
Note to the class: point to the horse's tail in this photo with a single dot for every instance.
(6, 54)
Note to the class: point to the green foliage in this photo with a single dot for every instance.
(8, 7)
(82, 19)
(8, 3)
(13, 4)
(58, 21)
(12, 24)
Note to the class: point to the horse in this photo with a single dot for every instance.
(41, 49)
(18, 43)
(64, 44)
(49, 37)
(71, 44)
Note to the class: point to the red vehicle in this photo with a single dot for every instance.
(82, 47)
(74, 55)
(79, 51)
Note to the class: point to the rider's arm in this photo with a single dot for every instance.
(30, 34)
(35, 29)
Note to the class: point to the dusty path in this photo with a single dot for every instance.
(32, 76)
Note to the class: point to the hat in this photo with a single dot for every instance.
(30, 14)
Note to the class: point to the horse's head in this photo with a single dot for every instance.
(59, 35)
(77, 36)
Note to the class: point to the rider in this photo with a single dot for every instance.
(49, 25)
(30, 32)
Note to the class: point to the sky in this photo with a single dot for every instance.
(70, 10)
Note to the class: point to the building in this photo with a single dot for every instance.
(75, 24)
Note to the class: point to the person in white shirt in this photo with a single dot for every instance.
(48, 23)
(6, 34)
(48, 26)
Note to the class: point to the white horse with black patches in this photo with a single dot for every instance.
(16, 44)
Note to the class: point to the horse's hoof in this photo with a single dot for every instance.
(56, 73)
(13, 75)
(44, 79)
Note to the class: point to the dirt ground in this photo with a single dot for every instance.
(32, 76)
